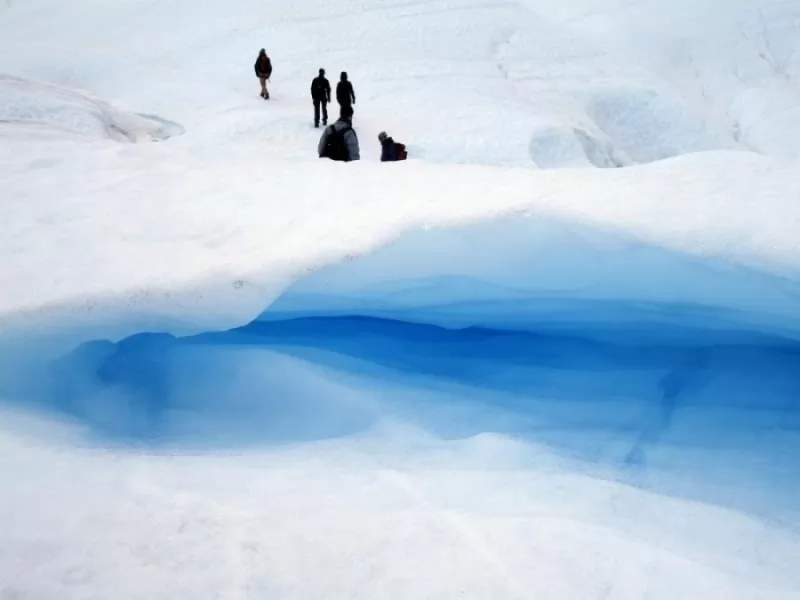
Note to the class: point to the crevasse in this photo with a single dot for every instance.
(678, 372)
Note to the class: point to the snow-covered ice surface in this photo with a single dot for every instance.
(555, 354)
(25, 103)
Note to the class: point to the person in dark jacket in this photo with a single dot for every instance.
(391, 151)
(345, 95)
(320, 95)
(263, 69)
(339, 141)
(388, 148)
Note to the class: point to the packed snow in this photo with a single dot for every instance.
(554, 354)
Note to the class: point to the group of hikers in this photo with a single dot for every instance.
(339, 141)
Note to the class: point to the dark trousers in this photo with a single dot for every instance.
(324, 105)
(342, 103)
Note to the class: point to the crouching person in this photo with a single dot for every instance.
(391, 150)
(339, 141)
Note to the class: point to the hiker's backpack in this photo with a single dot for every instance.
(401, 151)
(318, 89)
(335, 145)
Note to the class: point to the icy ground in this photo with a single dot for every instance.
(554, 355)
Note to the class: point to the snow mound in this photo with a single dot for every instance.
(25, 103)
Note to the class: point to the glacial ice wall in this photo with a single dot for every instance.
(676, 372)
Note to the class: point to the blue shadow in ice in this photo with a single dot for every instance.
(600, 347)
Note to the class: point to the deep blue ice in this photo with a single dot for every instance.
(680, 373)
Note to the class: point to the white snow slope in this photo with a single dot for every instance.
(145, 187)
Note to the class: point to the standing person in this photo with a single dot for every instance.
(320, 95)
(263, 69)
(339, 141)
(345, 95)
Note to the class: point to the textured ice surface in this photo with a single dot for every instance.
(29, 105)
(554, 355)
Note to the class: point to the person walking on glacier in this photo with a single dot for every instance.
(320, 95)
(339, 141)
(345, 95)
(263, 69)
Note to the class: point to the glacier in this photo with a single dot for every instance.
(554, 354)
(661, 365)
